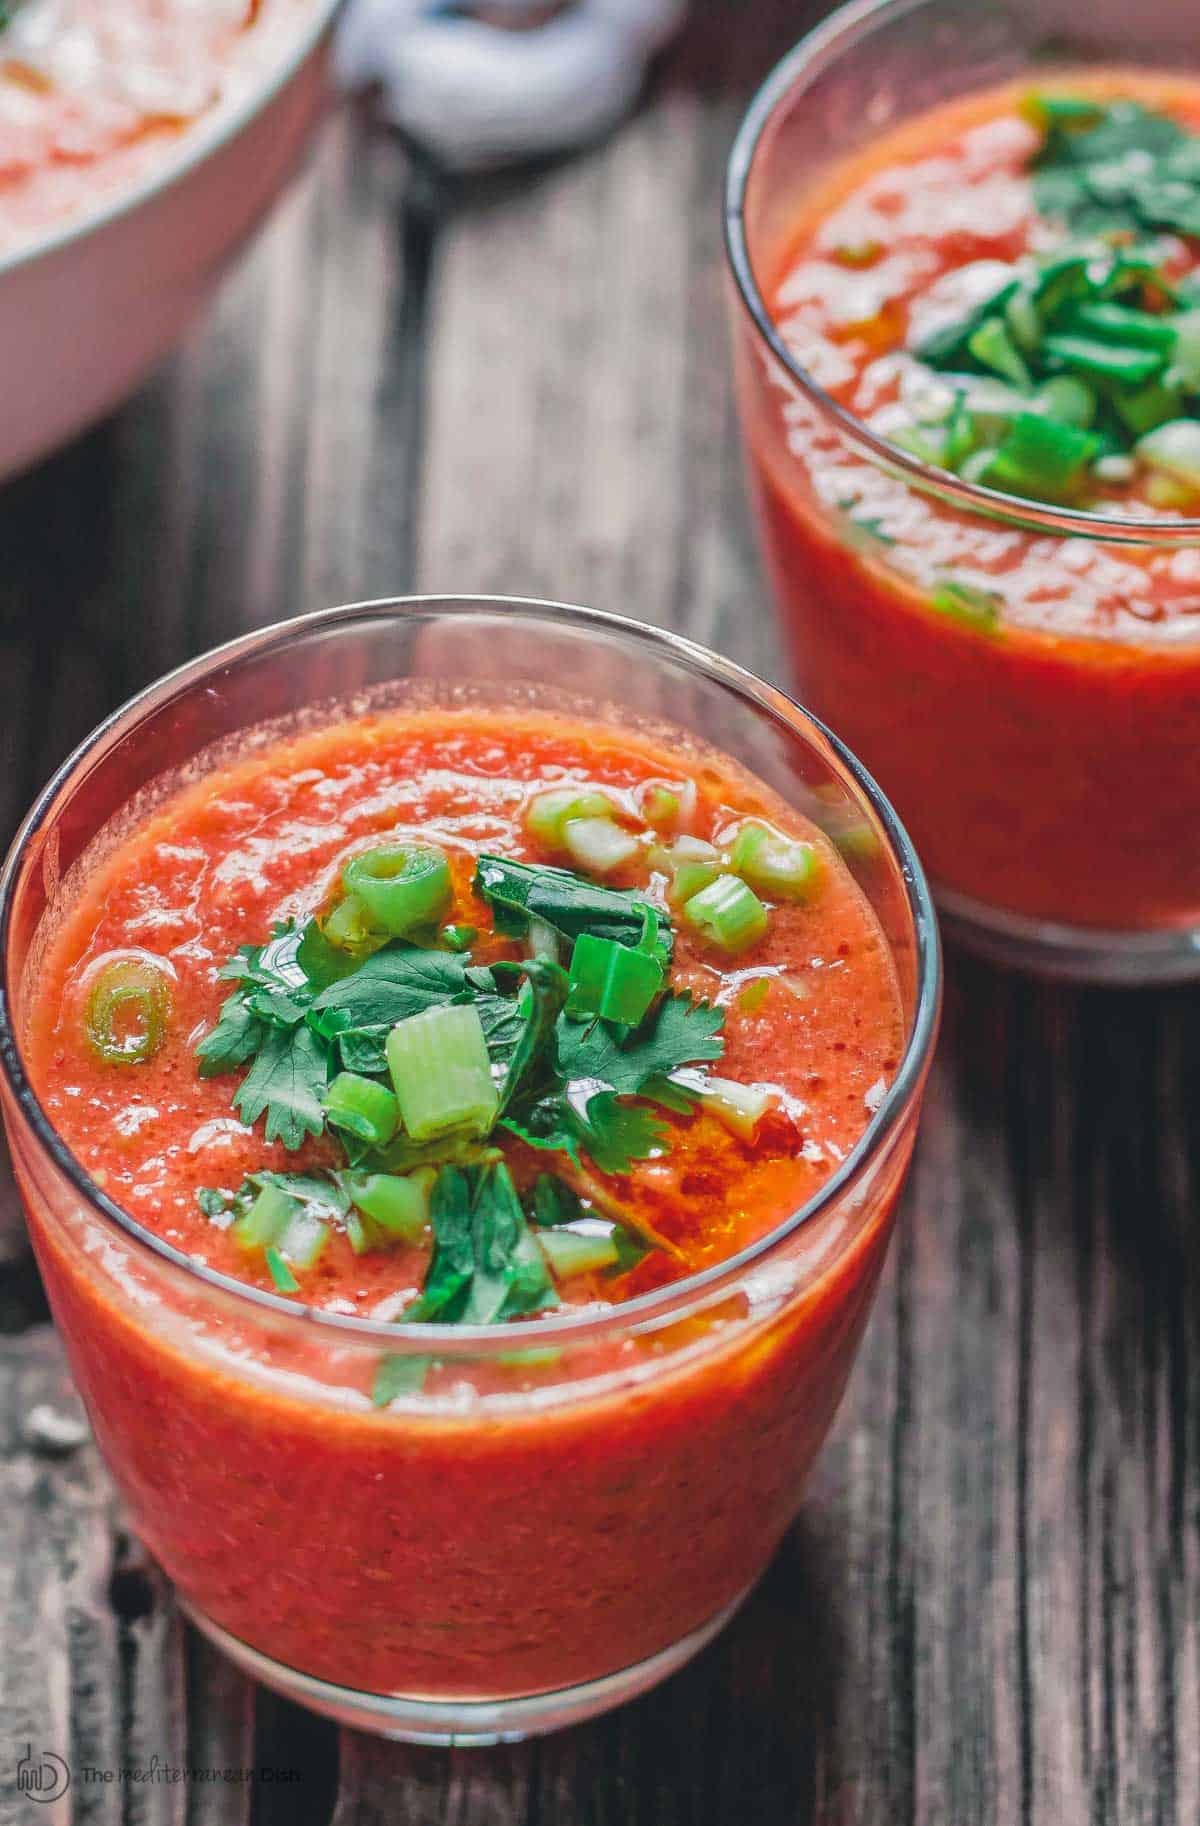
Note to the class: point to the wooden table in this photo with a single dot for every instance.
(989, 1609)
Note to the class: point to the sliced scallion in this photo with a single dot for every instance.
(975, 608)
(361, 1107)
(613, 981)
(547, 813)
(598, 844)
(441, 1073)
(585, 1250)
(1173, 450)
(728, 913)
(1042, 458)
(128, 1009)
(994, 348)
(265, 1220)
(690, 863)
(783, 867)
(348, 928)
(285, 1281)
(303, 1238)
(397, 1204)
(661, 807)
(740, 1107)
(1067, 398)
(402, 886)
(1119, 323)
(1125, 363)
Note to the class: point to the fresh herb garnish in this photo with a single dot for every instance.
(582, 1062)
(1076, 356)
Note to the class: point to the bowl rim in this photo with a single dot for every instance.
(901, 1095)
(194, 145)
(818, 49)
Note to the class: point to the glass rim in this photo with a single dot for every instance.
(816, 51)
(428, 1338)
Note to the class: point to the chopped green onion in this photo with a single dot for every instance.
(1117, 469)
(303, 1238)
(1024, 323)
(741, 1107)
(281, 1274)
(728, 913)
(690, 863)
(581, 1251)
(1066, 397)
(973, 607)
(598, 845)
(547, 813)
(1058, 282)
(396, 1203)
(857, 253)
(1118, 323)
(1165, 491)
(459, 938)
(362, 1108)
(945, 348)
(752, 997)
(1185, 361)
(1140, 409)
(1124, 363)
(977, 465)
(402, 886)
(441, 1072)
(128, 1008)
(1042, 458)
(542, 940)
(994, 348)
(1173, 449)
(1071, 111)
(786, 868)
(348, 927)
(398, 1375)
(265, 1220)
(660, 807)
(613, 981)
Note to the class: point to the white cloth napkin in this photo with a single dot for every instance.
(499, 81)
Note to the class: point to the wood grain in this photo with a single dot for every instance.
(989, 1611)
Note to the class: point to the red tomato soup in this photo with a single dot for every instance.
(1005, 287)
(467, 1018)
(95, 93)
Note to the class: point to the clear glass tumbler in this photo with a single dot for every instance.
(1049, 777)
(652, 1455)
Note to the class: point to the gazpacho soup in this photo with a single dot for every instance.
(456, 1017)
(1007, 288)
(95, 93)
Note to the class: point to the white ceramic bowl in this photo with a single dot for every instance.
(87, 310)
